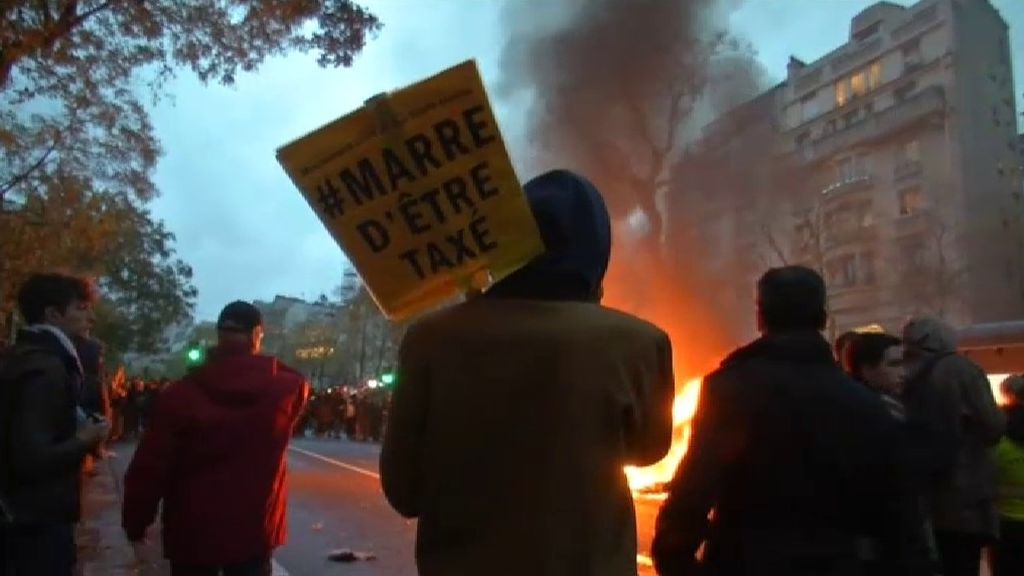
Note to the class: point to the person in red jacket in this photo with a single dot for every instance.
(214, 454)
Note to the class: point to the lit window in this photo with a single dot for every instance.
(842, 93)
(858, 83)
(911, 201)
(875, 75)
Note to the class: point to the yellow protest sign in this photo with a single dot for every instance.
(418, 189)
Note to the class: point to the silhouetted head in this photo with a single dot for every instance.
(240, 324)
(790, 299)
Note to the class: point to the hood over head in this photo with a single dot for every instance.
(928, 337)
(576, 229)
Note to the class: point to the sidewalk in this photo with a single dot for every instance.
(103, 549)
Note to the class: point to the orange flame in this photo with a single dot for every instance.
(683, 409)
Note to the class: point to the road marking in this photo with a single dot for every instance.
(277, 569)
(337, 463)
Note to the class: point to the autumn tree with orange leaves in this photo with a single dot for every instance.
(77, 148)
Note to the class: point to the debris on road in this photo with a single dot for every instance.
(346, 555)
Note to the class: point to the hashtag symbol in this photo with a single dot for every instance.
(330, 200)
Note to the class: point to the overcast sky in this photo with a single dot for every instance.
(246, 230)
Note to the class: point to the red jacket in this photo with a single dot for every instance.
(214, 453)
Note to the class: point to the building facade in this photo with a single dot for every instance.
(891, 164)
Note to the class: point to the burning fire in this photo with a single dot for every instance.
(650, 478)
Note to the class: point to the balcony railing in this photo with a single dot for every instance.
(926, 104)
(852, 184)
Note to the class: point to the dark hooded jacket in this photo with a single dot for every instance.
(514, 413)
(214, 455)
(951, 409)
(40, 457)
(796, 459)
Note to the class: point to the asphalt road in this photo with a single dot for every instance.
(335, 501)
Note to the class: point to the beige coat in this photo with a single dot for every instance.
(510, 424)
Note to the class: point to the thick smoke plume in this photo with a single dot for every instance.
(616, 89)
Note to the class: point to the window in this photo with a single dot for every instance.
(842, 271)
(859, 83)
(913, 255)
(909, 153)
(867, 268)
(865, 215)
(867, 31)
(905, 91)
(803, 137)
(874, 75)
(842, 96)
(911, 201)
(851, 168)
(912, 55)
(809, 107)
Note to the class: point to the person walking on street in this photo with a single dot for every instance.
(956, 422)
(214, 456)
(791, 465)
(45, 436)
(503, 495)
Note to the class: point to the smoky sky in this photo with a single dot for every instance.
(602, 75)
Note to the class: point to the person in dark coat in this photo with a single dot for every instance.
(44, 437)
(792, 459)
(214, 456)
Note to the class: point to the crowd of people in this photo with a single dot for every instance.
(344, 413)
(883, 455)
(968, 452)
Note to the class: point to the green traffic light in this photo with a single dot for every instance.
(195, 355)
(388, 379)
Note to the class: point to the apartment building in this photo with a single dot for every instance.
(891, 166)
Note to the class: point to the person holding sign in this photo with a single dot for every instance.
(498, 493)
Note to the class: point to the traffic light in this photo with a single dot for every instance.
(388, 379)
(195, 355)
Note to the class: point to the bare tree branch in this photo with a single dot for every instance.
(773, 244)
(24, 175)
